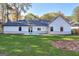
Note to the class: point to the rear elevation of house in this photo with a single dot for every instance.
(58, 25)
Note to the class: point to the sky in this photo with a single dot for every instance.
(42, 8)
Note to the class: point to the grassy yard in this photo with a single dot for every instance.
(33, 45)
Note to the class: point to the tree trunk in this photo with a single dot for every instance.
(3, 21)
(17, 14)
(17, 11)
(7, 15)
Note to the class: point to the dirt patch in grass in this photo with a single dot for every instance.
(66, 45)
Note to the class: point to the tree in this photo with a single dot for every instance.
(5, 7)
(1, 12)
(76, 13)
(20, 7)
(31, 16)
(49, 16)
(8, 7)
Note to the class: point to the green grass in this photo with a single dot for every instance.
(26, 45)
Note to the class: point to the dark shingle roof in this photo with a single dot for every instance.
(75, 24)
(34, 22)
(27, 23)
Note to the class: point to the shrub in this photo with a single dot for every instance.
(73, 31)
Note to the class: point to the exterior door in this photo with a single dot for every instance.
(30, 30)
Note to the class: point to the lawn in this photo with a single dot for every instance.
(28, 45)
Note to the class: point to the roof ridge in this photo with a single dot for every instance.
(60, 16)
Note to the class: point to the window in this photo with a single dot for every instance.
(61, 29)
(39, 29)
(19, 28)
(51, 28)
(29, 29)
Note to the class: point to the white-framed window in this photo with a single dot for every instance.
(20, 28)
(61, 29)
(51, 28)
(39, 29)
